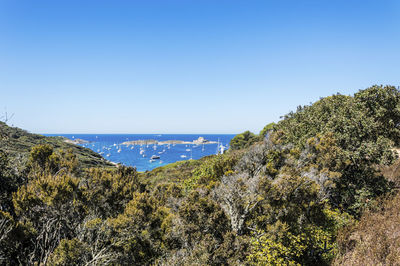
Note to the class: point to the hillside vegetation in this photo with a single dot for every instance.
(17, 143)
(314, 189)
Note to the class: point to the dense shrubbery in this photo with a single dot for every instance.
(292, 195)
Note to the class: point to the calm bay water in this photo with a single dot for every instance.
(110, 147)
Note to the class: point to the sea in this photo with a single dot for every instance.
(111, 148)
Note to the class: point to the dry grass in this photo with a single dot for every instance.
(375, 240)
(392, 172)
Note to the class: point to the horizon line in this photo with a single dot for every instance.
(135, 133)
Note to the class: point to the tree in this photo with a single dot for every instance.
(137, 232)
(108, 191)
(53, 205)
(267, 129)
(242, 140)
(238, 196)
(9, 183)
(383, 104)
(357, 136)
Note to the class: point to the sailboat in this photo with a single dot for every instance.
(221, 148)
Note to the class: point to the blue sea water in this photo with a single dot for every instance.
(110, 147)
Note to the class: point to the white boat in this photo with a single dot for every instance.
(119, 150)
(152, 160)
(221, 149)
(183, 156)
(155, 157)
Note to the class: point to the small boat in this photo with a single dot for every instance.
(183, 156)
(221, 149)
(119, 150)
(187, 149)
(152, 160)
(155, 157)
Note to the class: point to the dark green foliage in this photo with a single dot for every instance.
(280, 198)
(383, 104)
(108, 191)
(243, 140)
(18, 143)
(137, 233)
(363, 129)
(267, 129)
(9, 183)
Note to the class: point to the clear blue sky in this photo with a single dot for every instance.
(187, 66)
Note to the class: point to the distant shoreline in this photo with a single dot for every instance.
(76, 141)
(198, 141)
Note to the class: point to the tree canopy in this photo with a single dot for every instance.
(306, 191)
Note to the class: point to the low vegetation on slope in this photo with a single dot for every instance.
(302, 192)
(17, 143)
